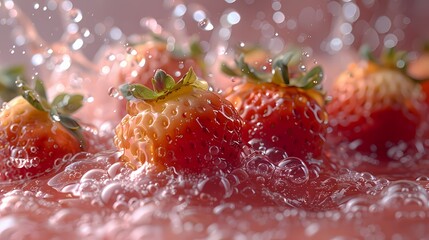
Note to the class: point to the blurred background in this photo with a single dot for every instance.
(326, 30)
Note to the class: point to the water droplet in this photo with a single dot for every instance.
(75, 15)
(205, 24)
(113, 92)
(19, 83)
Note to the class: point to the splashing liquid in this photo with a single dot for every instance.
(94, 195)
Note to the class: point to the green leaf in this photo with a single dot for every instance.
(366, 53)
(196, 49)
(58, 100)
(246, 69)
(229, 71)
(74, 128)
(162, 81)
(54, 115)
(32, 97)
(68, 103)
(278, 78)
(69, 122)
(137, 91)
(40, 89)
(313, 78)
(281, 66)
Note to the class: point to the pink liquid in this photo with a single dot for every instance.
(95, 196)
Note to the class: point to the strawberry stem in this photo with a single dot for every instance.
(280, 75)
(163, 85)
(59, 110)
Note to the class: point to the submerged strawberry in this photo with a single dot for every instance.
(376, 106)
(35, 135)
(280, 111)
(180, 125)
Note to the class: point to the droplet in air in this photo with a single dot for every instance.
(75, 15)
(113, 92)
(205, 24)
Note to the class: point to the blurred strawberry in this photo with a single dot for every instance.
(254, 55)
(375, 105)
(36, 135)
(180, 125)
(280, 110)
(152, 52)
(419, 69)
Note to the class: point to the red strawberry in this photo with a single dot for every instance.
(279, 111)
(180, 125)
(35, 135)
(375, 106)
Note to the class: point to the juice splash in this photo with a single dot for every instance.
(270, 196)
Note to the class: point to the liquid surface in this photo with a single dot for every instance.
(345, 195)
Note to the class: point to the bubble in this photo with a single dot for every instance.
(217, 187)
(358, 204)
(115, 195)
(19, 157)
(293, 169)
(276, 155)
(404, 193)
(260, 165)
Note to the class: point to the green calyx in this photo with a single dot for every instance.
(163, 84)
(60, 109)
(280, 74)
(390, 58)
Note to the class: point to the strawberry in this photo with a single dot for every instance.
(153, 52)
(375, 105)
(419, 69)
(180, 125)
(35, 135)
(279, 111)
